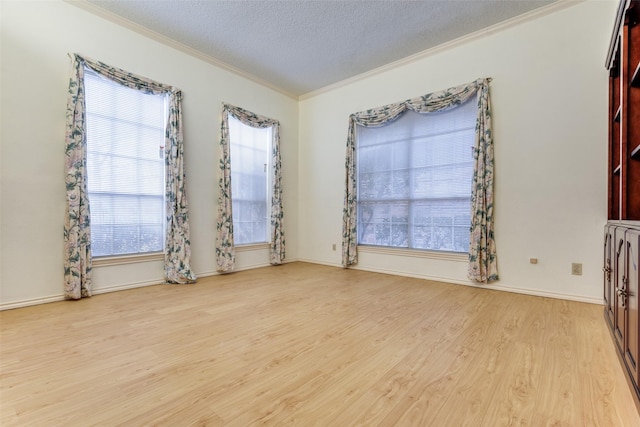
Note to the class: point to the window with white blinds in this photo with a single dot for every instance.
(250, 181)
(414, 180)
(125, 167)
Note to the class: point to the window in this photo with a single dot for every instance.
(414, 180)
(125, 168)
(250, 197)
(250, 166)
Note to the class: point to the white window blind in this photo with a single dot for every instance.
(125, 167)
(250, 194)
(414, 180)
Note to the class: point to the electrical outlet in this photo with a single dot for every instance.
(334, 247)
(576, 269)
(533, 260)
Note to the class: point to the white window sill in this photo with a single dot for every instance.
(105, 261)
(416, 253)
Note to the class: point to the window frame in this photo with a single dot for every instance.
(409, 199)
(269, 182)
(131, 257)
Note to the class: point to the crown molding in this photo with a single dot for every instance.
(140, 29)
(501, 26)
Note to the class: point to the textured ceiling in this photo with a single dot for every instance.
(301, 46)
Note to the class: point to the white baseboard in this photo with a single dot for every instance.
(246, 267)
(116, 288)
(500, 287)
(125, 286)
(495, 287)
(29, 302)
(60, 297)
(312, 261)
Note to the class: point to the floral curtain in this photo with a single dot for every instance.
(177, 247)
(483, 262)
(225, 249)
(77, 234)
(482, 250)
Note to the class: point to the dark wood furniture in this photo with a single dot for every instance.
(622, 232)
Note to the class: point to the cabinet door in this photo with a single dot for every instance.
(620, 312)
(609, 289)
(631, 281)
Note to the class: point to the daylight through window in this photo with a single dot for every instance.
(414, 180)
(125, 167)
(250, 172)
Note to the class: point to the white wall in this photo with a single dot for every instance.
(549, 97)
(36, 37)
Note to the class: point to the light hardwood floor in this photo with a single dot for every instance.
(304, 344)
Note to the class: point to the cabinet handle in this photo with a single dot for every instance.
(622, 293)
(607, 270)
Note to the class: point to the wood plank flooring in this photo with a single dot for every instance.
(303, 345)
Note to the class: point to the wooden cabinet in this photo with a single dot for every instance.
(613, 269)
(623, 63)
(622, 232)
(630, 290)
(621, 293)
(609, 288)
(620, 297)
